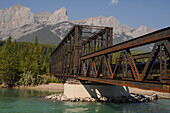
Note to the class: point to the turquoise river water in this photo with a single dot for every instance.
(28, 101)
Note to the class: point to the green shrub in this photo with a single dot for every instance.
(27, 79)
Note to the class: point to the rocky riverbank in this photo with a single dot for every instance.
(132, 98)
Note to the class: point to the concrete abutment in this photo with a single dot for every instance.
(76, 89)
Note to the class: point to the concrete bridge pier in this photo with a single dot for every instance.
(74, 89)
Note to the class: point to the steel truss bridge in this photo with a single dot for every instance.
(87, 53)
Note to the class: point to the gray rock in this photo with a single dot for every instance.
(104, 99)
(54, 98)
(64, 98)
(142, 96)
(81, 99)
(155, 96)
(48, 97)
(73, 99)
(93, 100)
(143, 100)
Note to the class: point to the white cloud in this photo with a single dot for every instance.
(114, 2)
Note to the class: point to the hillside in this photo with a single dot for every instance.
(45, 36)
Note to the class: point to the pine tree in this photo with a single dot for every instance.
(36, 57)
(8, 64)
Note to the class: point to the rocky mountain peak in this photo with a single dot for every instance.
(18, 5)
(62, 12)
(143, 27)
(58, 16)
(15, 17)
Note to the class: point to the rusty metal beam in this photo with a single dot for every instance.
(94, 36)
(94, 27)
(143, 85)
(140, 56)
(140, 41)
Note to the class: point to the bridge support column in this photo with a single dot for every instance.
(77, 89)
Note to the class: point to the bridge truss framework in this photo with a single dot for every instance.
(88, 53)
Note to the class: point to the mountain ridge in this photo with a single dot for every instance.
(24, 23)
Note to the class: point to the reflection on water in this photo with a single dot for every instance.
(21, 93)
(24, 101)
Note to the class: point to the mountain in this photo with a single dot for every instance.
(15, 17)
(45, 36)
(23, 25)
(104, 21)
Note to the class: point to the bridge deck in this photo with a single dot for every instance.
(161, 87)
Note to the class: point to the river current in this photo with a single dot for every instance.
(28, 101)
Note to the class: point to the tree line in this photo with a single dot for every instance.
(23, 63)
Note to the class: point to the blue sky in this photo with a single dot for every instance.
(134, 13)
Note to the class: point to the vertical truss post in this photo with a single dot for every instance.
(106, 38)
(94, 45)
(70, 62)
(84, 68)
(94, 66)
(63, 59)
(124, 64)
(79, 49)
(76, 51)
(89, 48)
(161, 70)
(165, 65)
(110, 42)
(67, 57)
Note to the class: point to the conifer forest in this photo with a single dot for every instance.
(25, 63)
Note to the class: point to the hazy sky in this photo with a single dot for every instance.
(134, 13)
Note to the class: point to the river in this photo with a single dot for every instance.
(28, 101)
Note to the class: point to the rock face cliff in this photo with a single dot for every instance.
(42, 17)
(58, 16)
(15, 17)
(19, 21)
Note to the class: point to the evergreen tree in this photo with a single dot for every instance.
(36, 57)
(8, 63)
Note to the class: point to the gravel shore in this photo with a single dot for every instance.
(149, 92)
(51, 87)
